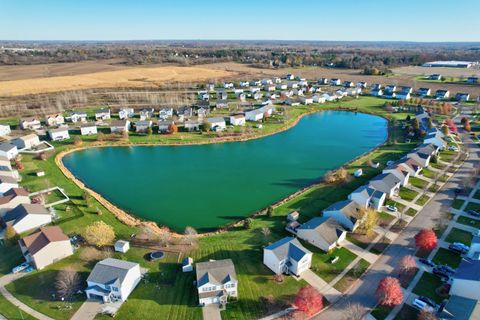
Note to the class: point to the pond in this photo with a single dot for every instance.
(206, 186)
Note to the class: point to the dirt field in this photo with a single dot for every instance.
(413, 71)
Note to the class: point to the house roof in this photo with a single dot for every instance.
(23, 210)
(288, 247)
(13, 193)
(327, 227)
(28, 137)
(40, 239)
(216, 119)
(102, 111)
(460, 308)
(58, 130)
(118, 123)
(6, 147)
(215, 272)
(29, 119)
(143, 123)
(88, 125)
(385, 182)
(348, 208)
(7, 179)
(111, 271)
(468, 270)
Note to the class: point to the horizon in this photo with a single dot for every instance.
(123, 20)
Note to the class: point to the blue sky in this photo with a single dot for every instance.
(347, 20)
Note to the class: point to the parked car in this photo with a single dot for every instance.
(391, 208)
(461, 245)
(428, 301)
(20, 268)
(447, 269)
(461, 249)
(420, 305)
(453, 148)
(441, 273)
(473, 213)
(426, 262)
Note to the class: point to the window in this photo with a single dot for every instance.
(115, 289)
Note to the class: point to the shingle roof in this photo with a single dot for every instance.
(288, 247)
(6, 147)
(111, 271)
(327, 227)
(385, 182)
(468, 270)
(23, 210)
(348, 208)
(40, 239)
(12, 193)
(216, 272)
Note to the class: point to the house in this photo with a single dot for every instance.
(435, 138)
(376, 86)
(362, 84)
(403, 95)
(257, 96)
(306, 100)
(466, 280)
(78, 117)
(7, 183)
(389, 94)
(237, 120)
(8, 150)
(459, 308)
(406, 89)
(376, 92)
(329, 96)
(322, 232)
(6, 169)
(462, 96)
(54, 120)
(228, 85)
(254, 90)
(26, 142)
(269, 87)
(290, 76)
(347, 213)
(122, 246)
(411, 166)
(164, 126)
(287, 256)
(222, 95)
(277, 80)
(303, 83)
(421, 159)
(210, 87)
(203, 111)
(217, 123)
(221, 104)
(368, 197)
(423, 119)
(254, 115)
(191, 125)
(102, 114)
(12, 198)
(435, 77)
(400, 172)
(242, 97)
(58, 134)
(424, 92)
(442, 94)
(126, 113)
(282, 86)
(88, 128)
(430, 148)
(472, 80)
(46, 246)
(474, 251)
(30, 123)
(390, 88)
(147, 113)
(204, 96)
(165, 113)
(348, 84)
(335, 82)
(387, 183)
(143, 125)
(216, 281)
(119, 126)
(293, 102)
(318, 99)
(26, 217)
(293, 216)
(187, 264)
(322, 81)
(113, 280)
(184, 113)
(4, 130)
(255, 83)
(244, 84)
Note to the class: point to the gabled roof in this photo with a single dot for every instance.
(348, 208)
(23, 210)
(215, 272)
(327, 227)
(460, 308)
(216, 119)
(288, 247)
(7, 179)
(111, 271)
(118, 123)
(385, 182)
(468, 270)
(13, 193)
(40, 239)
(6, 147)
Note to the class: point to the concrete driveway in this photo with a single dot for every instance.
(211, 312)
(88, 310)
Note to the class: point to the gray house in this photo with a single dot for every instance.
(346, 213)
(322, 232)
(387, 183)
(216, 281)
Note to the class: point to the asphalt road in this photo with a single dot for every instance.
(363, 291)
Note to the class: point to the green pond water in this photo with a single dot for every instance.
(206, 186)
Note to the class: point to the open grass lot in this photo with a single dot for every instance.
(427, 285)
(361, 240)
(422, 200)
(428, 173)
(417, 182)
(458, 235)
(469, 221)
(447, 257)
(407, 194)
(343, 284)
(384, 219)
(438, 165)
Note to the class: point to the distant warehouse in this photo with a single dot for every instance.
(450, 64)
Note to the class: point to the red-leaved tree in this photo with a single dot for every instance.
(407, 264)
(309, 300)
(389, 292)
(426, 240)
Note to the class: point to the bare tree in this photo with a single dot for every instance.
(190, 235)
(354, 311)
(67, 283)
(266, 232)
(164, 238)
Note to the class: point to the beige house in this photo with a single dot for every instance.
(26, 142)
(12, 198)
(46, 246)
(54, 120)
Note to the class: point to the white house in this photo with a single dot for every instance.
(147, 113)
(282, 86)
(46, 246)
(30, 123)
(293, 216)
(113, 280)
(77, 116)
(54, 120)
(237, 120)
(26, 142)
(442, 94)
(216, 281)
(368, 197)
(58, 134)
(191, 125)
(12, 198)
(318, 99)
(217, 123)
(322, 232)
(254, 115)
(424, 92)
(126, 113)
(102, 114)
(335, 82)
(122, 246)
(119, 126)
(387, 183)
(400, 172)
(287, 256)
(165, 113)
(466, 280)
(88, 129)
(7, 183)
(25, 217)
(8, 150)
(422, 159)
(306, 100)
(346, 213)
(411, 166)
(4, 130)
(143, 125)
(435, 138)
(403, 95)
(164, 125)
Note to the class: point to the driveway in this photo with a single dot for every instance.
(363, 291)
(211, 312)
(88, 310)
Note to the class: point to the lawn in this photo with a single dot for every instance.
(458, 235)
(407, 313)
(428, 173)
(418, 183)
(447, 257)
(473, 206)
(352, 275)
(469, 221)
(411, 212)
(11, 312)
(457, 204)
(11, 256)
(422, 200)
(399, 206)
(381, 312)
(407, 194)
(380, 246)
(322, 262)
(477, 195)
(438, 165)
(384, 219)
(361, 240)
(427, 285)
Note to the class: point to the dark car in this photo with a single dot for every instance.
(427, 262)
(473, 213)
(440, 272)
(428, 301)
(457, 249)
(447, 269)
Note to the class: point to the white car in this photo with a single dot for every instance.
(392, 208)
(21, 267)
(420, 305)
(453, 148)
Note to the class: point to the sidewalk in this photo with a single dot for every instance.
(360, 252)
(330, 293)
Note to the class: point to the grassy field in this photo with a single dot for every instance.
(458, 235)
(447, 257)
(417, 182)
(11, 312)
(469, 221)
(407, 194)
(457, 203)
(343, 284)
(427, 285)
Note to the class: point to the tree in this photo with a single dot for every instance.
(100, 136)
(248, 223)
(354, 311)
(407, 264)
(368, 221)
(11, 235)
(389, 292)
(426, 240)
(99, 234)
(445, 130)
(269, 211)
(164, 238)
(42, 156)
(266, 232)
(190, 235)
(19, 165)
(77, 141)
(67, 283)
(427, 315)
(309, 300)
(149, 131)
(172, 128)
(205, 127)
